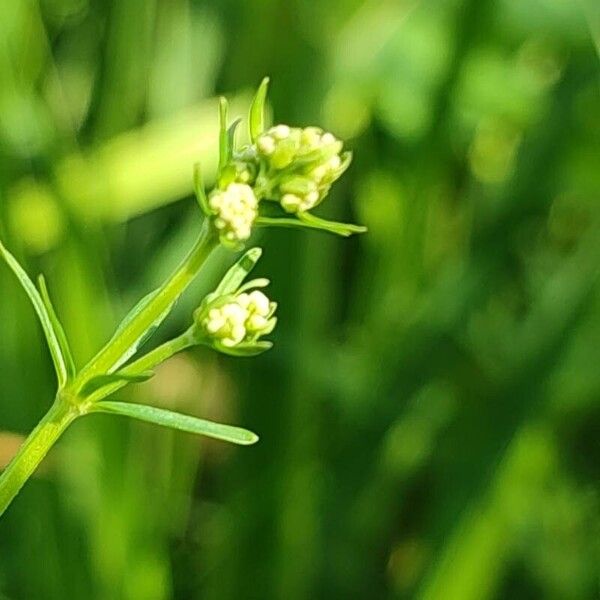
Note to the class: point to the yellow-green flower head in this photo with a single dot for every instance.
(235, 209)
(303, 162)
(245, 319)
(282, 145)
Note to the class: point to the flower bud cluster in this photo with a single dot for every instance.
(242, 320)
(303, 161)
(235, 209)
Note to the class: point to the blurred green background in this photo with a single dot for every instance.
(429, 417)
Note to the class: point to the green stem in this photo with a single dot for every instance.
(147, 363)
(34, 449)
(167, 294)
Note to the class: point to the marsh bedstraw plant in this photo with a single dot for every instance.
(276, 180)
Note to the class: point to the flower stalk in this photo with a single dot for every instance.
(287, 169)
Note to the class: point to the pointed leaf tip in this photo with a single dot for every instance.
(200, 191)
(181, 422)
(52, 336)
(238, 272)
(256, 118)
(224, 145)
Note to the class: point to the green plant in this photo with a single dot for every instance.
(273, 181)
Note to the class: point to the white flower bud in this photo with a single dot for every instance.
(305, 161)
(259, 303)
(235, 210)
(328, 138)
(280, 132)
(244, 319)
(266, 144)
(291, 203)
(334, 163)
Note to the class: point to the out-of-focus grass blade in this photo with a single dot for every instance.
(167, 418)
(256, 119)
(58, 328)
(136, 171)
(58, 359)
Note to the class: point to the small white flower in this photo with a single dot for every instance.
(245, 318)
(235, 210)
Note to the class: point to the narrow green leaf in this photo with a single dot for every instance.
(224, 149)
(261, 282)
(256, 119)
(231, 137)
(200, 191)
(344, 229)
(38, 304)
(167, 418)
(97, 383)
(307, 221)
(236, 274)
(58, 328)
(131, 315)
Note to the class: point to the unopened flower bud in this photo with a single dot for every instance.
(243, 320)
(305, 162)
(235, 209)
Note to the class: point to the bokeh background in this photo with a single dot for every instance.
(429, 417)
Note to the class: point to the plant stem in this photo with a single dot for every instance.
(63, 412)
(167, 294)
(146, 363)
(34, 449)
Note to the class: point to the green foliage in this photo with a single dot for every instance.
(54, 337)
(428, 417)
(256, 119)
(167, 418)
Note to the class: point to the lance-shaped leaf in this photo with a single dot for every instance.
(174, 420)
(308, 221)
(58, 328)
(224, 147)
(256, 119)
(231, 136)
(200, 191)
(96, 384)
(60, 363)
(137, 343)
(236, 274)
